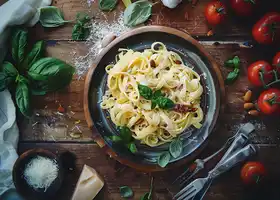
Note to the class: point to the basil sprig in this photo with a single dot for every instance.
(157, 97)
(107, 5)
(81, 29)
(31, 73)
(148, 195)
(51, 16)
(125, 138)
(137, 13)
(233, 75)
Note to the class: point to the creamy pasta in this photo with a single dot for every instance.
(160, 70)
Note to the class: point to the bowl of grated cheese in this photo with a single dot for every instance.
(37, 174)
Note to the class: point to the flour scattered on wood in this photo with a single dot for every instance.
(100, 28)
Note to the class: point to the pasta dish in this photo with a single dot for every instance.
(153, 93)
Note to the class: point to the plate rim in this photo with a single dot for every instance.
(218, 84)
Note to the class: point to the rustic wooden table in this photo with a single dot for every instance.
(51, 131)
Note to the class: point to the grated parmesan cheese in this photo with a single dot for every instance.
(99, 29)
(40, 172)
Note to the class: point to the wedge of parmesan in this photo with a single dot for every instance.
(89, 184)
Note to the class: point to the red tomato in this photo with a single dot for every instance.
(254, 72)
(215, 13)
(252, 172)
(269, 101)
(243, 7)
(266, 30)
(276, 62)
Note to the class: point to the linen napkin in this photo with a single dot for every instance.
(13, 12)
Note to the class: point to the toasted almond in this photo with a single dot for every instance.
(253, 112)
(248, 106)
(75, 135)
(248, 96)
(152, 63)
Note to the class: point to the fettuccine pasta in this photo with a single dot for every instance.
(160, 70)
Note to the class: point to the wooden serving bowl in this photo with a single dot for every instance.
(22, 186)
(194, 55)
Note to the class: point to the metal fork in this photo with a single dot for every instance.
(198, 164)
(194, 187)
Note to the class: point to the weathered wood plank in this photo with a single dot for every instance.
(115, 175)
(44, 128)
(185, 17)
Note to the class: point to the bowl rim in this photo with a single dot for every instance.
(219, 83)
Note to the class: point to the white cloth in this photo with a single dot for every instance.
(13, 12)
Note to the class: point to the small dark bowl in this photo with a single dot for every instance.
(23, 188)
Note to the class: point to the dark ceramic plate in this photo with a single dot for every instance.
(192, 54)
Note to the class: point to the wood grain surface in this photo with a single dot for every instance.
(51, 130)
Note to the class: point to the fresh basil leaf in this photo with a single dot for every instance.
(176, 148)
(137, 13)
(145, 91)
(50, 74)
(107, 5)
(4, 81)
(157, 94)
(35, 54)
(125, 134)
(9, 69)
(232, 76)
(132, 147)
(23, 96)
(126, 192)
(81, 29)
(145, 196)
(51, 16)
(233, 63)
(19, 45)
(164, 159)
(165, 103)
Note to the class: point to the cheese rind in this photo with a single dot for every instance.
(88, 185)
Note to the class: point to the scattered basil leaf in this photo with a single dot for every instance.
(51, 16)
(35, 54)
(165, 103)
(107, 5)
(4, 81)
(145, 91)
(145, 196)
(23, 96)
(9, 69)
(19, 45)
(126, 3)
(81, 29)
(50, 74)
(233, 63)
(164, 159)
(175, 148)
(125, 134)
(137, 13)
(126, 192)
(232, 76)
(132, 147)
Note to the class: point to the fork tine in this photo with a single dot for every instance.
(185, 189)
(188, 195)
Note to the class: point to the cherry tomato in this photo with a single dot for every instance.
(252, 172)
(276, 62)
(269, 101)
(244, 7)
(254, 72)
(266, 30)
(215, 13)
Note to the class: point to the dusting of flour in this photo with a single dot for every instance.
(99, 29)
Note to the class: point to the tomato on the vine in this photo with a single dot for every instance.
(269, 101)
(244, 7)
(256, 68)
(267, 30)
(215, 13)
(252, 172)
(276, 62)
